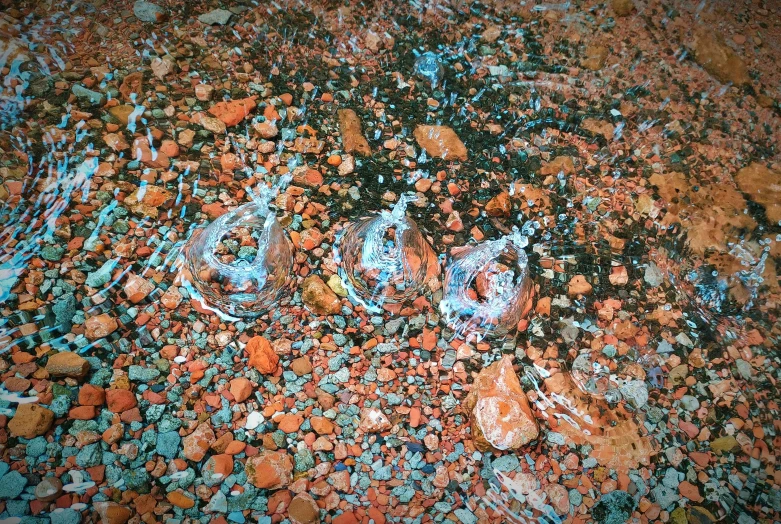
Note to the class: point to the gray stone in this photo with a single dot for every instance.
(93, 97)
(653, 275)
(148, 12)
(215, 16)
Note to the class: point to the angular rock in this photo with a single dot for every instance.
(717, 58)
(120, 400)
(233, 111)
(303, 510)
(270, 470)
(440, 141)
(30, 421)
(197, 443)
(241, 389)
(499, 206)
(373, 421)
(67, 364)
(215, 125)
(148, 12)
(113, 513)
(262, 356)
(763, 186)
(500, 415)
(216, 469)
(353, 140)
(320, 298)
(215, 17)
(132, 87)
(147, 201)
(137, 288)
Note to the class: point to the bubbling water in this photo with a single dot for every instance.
(487, 288)
(385, 259)
(242, 262)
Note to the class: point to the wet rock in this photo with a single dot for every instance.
(67, 364)
(30, 421)
(579, 286)
(148, 201)
(373, 421)
(215, 17)
(100, 326)
(653, 275)
(499, 410)
(595, 57)
(234, 111)
(717, 58)
(613, 508)
(303, 510)
(723, 445)
(137, 288)
(215, 125)
(319, 298)
(270, 470)
(148, 12)
(122, 114)
(180, 500)
(48, 489)
(132, 87)
(622, 7)
(440, 141)
(88, 96)
(267, 130)
(120, 400)
(699, 515)
(113, 513)
(499, 206)
(262, 356)
(763, 186)
(162, 67)
(353, 140)
(197, 443)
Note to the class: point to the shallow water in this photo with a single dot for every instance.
(637, 163)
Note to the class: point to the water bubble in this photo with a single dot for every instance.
(385, 259)
(428, 66)
(242, 261)
(487, 289)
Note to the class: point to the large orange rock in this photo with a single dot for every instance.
(763, 186)
(100, 326)
(499, 410)
(270, 470)
(353, 140)
(717, 58)
(241, 389)
(262, 356)
(180, 500)
(304, 510)
(440, 141)
(67, 364)
(120, 400)
(319, 298)
(113, 513)
(30, 421)
(233, 111)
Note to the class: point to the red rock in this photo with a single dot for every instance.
(414, 417)
(353, 140)
(559, 498)
(197, 443)
(112, 513)
(30, 421)
(137, 288)
(579, 286)
(376, 515)
(171, 298)
(120, 400)
(67, 364)
(100, 326)
(234, 111)
(235, 447)
(373, 421)
(279, 501)
(83, 413)
(180, 500)
(290, 423)
(322, 425)
(132, 87)
(90, 395)
(261, 356)
(241, 389)
(499, 410)
(270, 470)
(440, 141)
(499, 206)
(690, 491)
(218, 467)
(345, 518)
(319, 298)
(16, 384)
(303, 510)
